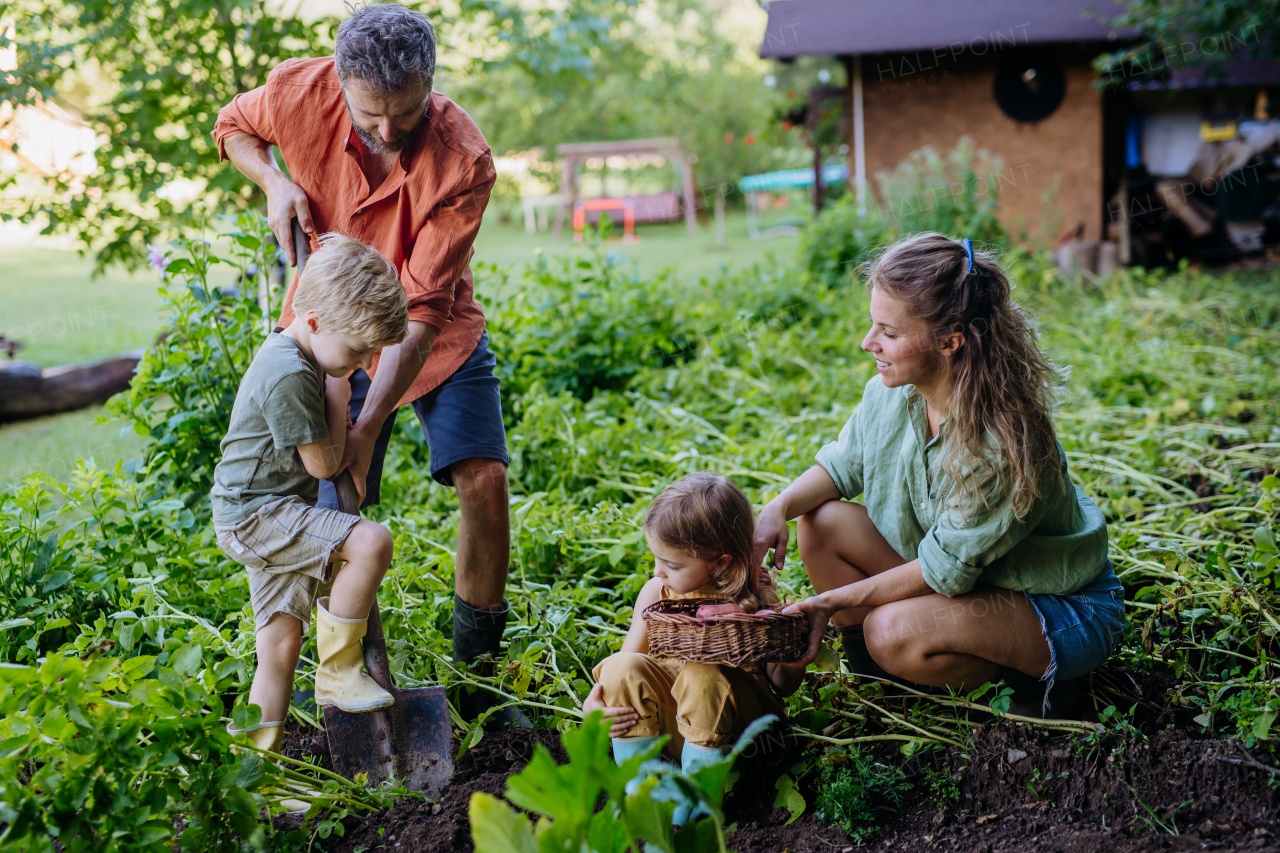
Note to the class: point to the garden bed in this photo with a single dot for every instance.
(1016, 787)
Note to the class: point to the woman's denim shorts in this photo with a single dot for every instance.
(1082, 628)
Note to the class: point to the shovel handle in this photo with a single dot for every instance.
(301, 244)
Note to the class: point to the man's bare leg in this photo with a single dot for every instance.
(484, 532)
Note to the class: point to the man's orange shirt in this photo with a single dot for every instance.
(424, 217)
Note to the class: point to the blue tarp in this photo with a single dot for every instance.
(792, 178)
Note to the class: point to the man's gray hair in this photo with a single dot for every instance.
(386, 48)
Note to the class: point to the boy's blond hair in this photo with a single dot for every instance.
(355, 290)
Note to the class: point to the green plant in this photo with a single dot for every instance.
(1151, 817)
(566, 796)
(122, 755)
(186, 384)
(789, 797)
(1190, 32)
(583, 325)
(943, 785)
(955, 195)
(1038, 784)
(80, 774)
(853, 783)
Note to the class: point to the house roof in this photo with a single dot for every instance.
(850, 27)
(1258, 72)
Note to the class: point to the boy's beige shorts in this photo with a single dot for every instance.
(705, 703)
(286, 546)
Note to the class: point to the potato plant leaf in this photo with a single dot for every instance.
(498, 828)
(789, 797)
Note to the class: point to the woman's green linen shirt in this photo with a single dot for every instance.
(884, 454)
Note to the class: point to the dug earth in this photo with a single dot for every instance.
(1017, 788)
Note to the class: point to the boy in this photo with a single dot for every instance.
(287, 432)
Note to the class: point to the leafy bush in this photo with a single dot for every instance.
(839, 239)
(76, 773)
(581, 325)
(185, 385)
(71, 555)
(954, 195)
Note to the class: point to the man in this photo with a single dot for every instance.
(374, 153)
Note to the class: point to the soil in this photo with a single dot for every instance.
(1019, 788)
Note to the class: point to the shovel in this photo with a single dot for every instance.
(411, 740)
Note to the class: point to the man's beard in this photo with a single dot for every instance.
(375, 144)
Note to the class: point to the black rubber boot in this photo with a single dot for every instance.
(856, 656)
(1028, 699)
(477, 633)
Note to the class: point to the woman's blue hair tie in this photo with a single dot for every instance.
(968, 250)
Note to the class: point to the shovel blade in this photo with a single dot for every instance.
(412, 741)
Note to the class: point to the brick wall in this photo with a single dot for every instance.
(902, 114)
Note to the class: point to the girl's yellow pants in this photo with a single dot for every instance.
(706, 704)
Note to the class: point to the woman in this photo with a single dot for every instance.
(972, 557)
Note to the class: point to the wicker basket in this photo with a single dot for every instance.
(736, 639)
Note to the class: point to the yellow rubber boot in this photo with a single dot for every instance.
(270, 737)
(340, 678)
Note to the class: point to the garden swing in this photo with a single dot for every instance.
(633, 208)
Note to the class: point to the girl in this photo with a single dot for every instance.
(972, 556)
(700, 533)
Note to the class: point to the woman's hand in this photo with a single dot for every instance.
(819, 611)
(623, 717)
(771, 532)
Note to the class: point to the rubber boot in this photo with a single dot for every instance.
(340, 678)
(692, 758)
(270, 737)
(856, 656)
(477, 633)
(626, 748)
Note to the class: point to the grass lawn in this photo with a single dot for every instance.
(61, 314)
(659, 246)
(53, 445)
(64, 315)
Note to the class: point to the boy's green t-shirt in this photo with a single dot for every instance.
(279, 406)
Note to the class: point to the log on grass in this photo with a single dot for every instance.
(26, 391)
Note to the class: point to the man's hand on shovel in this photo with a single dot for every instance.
(359, 455)
(286, 202)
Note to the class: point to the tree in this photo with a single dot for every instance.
(165, 67)
(1181, 33)
(151, 75)
(668, 68)
(161, 69)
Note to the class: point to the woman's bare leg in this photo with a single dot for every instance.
(957, 642)
(840, 545)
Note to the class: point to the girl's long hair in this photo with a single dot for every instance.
(707, 515)
(1002, 386)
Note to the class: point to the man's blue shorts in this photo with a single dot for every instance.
(461, 419)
